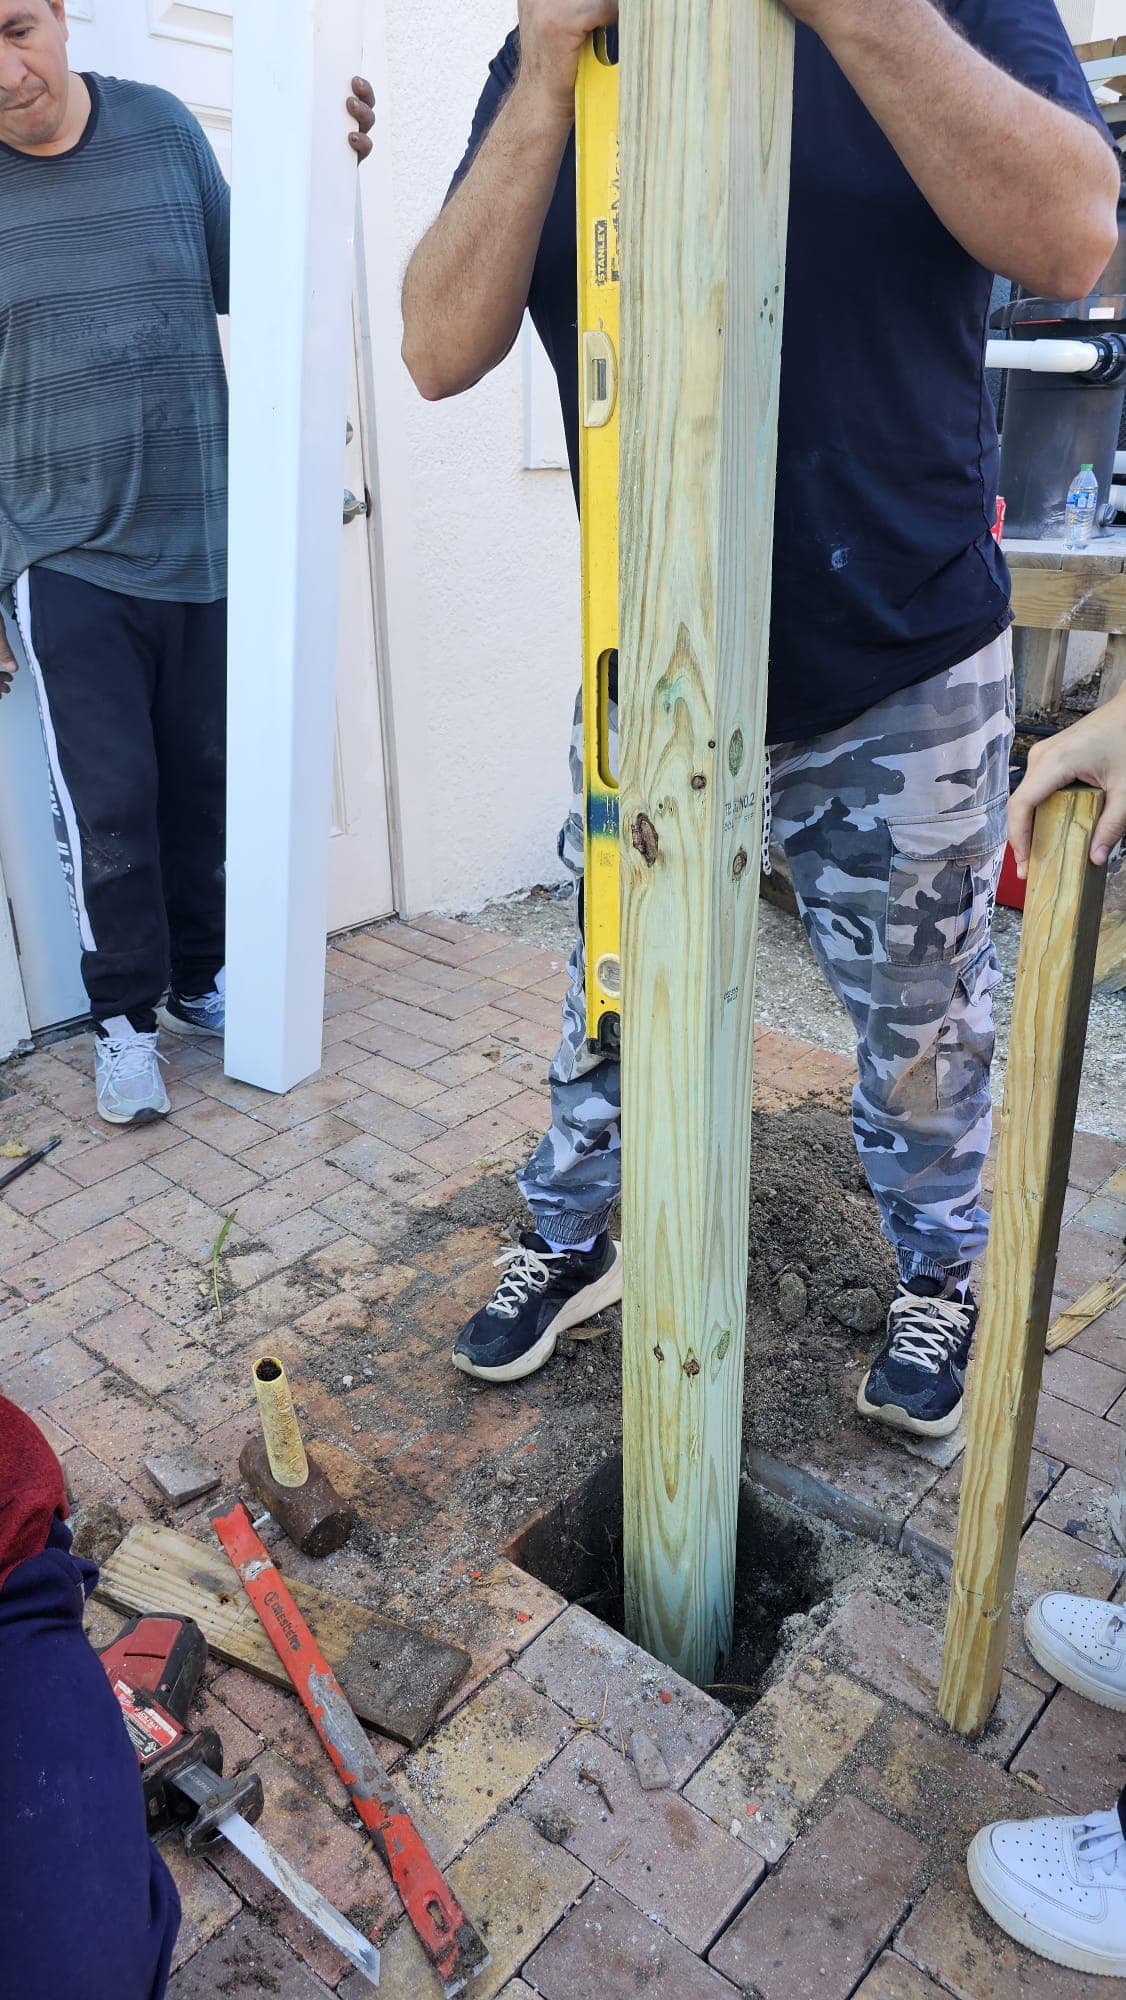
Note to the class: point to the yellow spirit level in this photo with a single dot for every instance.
(599, 217)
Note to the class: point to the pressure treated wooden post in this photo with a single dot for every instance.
(706, 108)
(1050, 1005)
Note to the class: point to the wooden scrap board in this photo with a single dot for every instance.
(396, 1678)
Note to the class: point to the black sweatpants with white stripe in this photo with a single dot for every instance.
(132, 694)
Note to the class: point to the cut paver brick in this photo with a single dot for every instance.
(328, 1850)
(182, 1475)
(652, 1847)
(496, 1615)
(949, 1936)
(1077, 1751)
(243, 1962)
(606, 1950)
(877, 1643)
(770, 1769)
(207, 1903)
(514, 1886)
(478, 1760)
(1075, 1378)
(818, 1922)
(1077, 1506)
(929, 1534)
(892, 1978)
(598, 1676)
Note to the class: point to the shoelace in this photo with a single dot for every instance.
(527, 1273)
(767, 813)
(1099, 1846)
(128, 1059)
(927, 1332)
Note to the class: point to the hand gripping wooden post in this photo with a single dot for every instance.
(706, 101)
(1050, 1006)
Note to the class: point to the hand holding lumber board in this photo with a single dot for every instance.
(1050, 1005)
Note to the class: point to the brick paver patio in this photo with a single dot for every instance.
(814, 1847)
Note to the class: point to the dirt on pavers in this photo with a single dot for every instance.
(479, 1460)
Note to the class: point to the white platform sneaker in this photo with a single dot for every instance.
(127, 1077)
(1057, 1886)
(1082, 1642)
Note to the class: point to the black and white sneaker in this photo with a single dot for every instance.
(917, 1381)
(542, 1293)
(202, 1014)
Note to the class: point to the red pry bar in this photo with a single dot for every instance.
(448, 1938)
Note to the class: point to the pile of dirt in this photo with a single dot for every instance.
(821, 1275)
(817, 1260)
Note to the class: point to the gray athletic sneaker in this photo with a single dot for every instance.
(127, 1074)
(204, 1014)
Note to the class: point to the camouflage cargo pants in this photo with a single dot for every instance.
(894, 829)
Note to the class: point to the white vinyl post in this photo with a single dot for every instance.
(14, 1025)
(294, 181)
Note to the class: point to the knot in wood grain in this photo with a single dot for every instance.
(698, 781)
(644, 837)
(692, 1366)
(738, 866)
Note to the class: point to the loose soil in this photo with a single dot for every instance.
(816, 1254)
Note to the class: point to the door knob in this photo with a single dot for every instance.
(353, 508)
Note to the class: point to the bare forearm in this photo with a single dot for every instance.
(1027, 188)
(466, 285)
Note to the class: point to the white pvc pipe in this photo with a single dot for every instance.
(1117, 495)
(1120, 464)
(1044, 357)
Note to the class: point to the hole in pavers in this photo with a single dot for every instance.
(794, 1571)
(788, 1566)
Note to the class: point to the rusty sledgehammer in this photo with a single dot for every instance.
(285, 1477)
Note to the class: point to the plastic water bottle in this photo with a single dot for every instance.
(1082, 508)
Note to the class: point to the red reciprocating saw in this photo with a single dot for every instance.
(154, 1667)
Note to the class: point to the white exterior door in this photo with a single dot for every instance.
(185, 46)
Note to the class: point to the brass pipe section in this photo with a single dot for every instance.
(284, 1447)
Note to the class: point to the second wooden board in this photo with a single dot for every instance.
(397, 1679)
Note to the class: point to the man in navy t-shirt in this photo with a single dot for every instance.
(933, 147)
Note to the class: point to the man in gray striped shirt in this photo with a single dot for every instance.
(114, 247)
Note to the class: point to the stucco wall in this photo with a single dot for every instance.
(495, 618)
